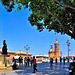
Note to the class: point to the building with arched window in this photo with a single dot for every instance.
(16, 53)
(54, 53)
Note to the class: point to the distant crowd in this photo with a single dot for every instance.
(51, 60)
(61, 60)
(32, 62)
(26, 61)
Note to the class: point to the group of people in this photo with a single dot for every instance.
(20, 60)
(27, 60)
(32, 62)
(51, 60)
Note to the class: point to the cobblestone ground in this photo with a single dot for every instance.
(43, 69)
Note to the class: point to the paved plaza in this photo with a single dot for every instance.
(43, 69)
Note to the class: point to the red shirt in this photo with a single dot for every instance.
(34, 61)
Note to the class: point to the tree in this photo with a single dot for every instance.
(57, 15)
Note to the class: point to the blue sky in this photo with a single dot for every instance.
(18, 32)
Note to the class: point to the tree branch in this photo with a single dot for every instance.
(69, 32)
(55, 17)
(65, 5)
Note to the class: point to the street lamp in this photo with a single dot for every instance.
(26, 48)
(61, 53)
(68, 44)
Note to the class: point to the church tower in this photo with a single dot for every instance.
(51, 52)
(56, 49)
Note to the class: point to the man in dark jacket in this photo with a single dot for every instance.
(28, 60)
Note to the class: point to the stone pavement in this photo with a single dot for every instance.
(43, 69)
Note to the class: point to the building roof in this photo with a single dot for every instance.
(16, 52)
(21, 52)
(7, 51)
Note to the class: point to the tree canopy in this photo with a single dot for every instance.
(57, 15)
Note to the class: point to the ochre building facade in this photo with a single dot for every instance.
(54, 53)
(16, 53)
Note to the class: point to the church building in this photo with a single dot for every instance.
(54, 53)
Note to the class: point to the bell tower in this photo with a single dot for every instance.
(56, 49)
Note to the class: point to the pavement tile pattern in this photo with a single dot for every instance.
(43, 69)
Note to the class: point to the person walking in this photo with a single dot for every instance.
(56, 61)
(25, 61)
(34, 64)
(19, 60)
(51, 61)
(28, 60)
(22, 61)
(31, 61)
(60, 60)
(64, 60)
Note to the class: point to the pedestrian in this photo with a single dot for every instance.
(71, 59)
(19, 60)
(28, 60)
(22, 61)
(34, 64)
(51, 61)
(60, 60)
(56, 61)
(74, 62)
(31, 61)
(25, 61)
(64, 60)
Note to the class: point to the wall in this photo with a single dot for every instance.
(51, 55)
(11, 57)
(56, 50)
(39, 58)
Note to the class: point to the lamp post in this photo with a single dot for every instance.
(26, 48)
(61, 53)
(68, 44)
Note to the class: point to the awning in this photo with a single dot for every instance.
(16, 57)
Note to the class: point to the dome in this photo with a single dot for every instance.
(51, 50)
